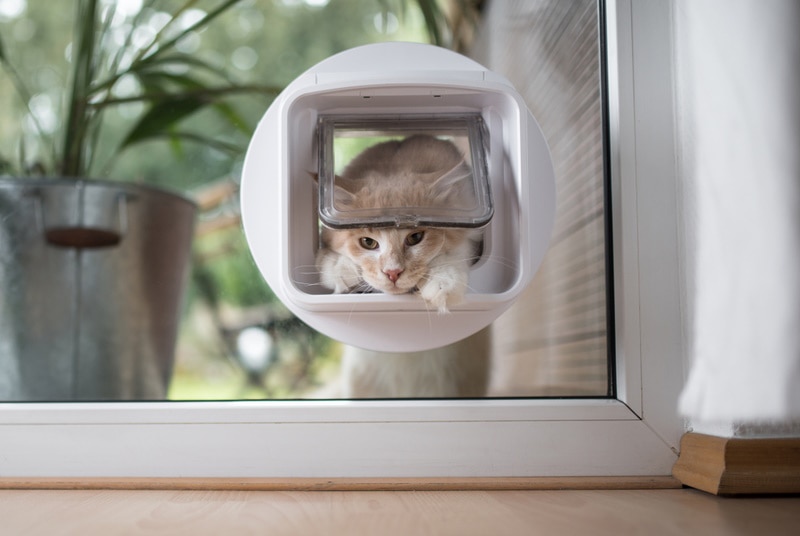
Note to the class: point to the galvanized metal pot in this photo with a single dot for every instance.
(92, 276)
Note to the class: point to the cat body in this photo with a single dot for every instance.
(459, 370)
(420, 171)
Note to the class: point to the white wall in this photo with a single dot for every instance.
(738, 100)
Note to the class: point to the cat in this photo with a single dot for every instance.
(434, 262)
(459, 370)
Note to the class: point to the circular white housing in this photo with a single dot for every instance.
(280, 205)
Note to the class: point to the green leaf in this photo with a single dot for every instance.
(432, 15)
(161, 117)
(162, 64)
(79, 115)
(3, 58)
(213, 143)
(154, 43)
(151, 55)
(161, 83)
(176, 145)
(210, 16)
(232, 117)
(22, 91)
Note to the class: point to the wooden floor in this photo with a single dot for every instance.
(409, 513)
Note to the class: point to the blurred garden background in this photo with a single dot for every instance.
(236, 340)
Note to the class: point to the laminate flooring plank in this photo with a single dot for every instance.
(385, 513)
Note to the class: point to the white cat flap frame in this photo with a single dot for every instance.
(279, 208)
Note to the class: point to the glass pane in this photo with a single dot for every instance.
(97, 320)
(558, 339)
(443, 155)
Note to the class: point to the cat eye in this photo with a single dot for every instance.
(415, 238)
(368, 243)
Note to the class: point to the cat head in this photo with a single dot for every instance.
(406, 188)
(420, 171)
(397, 261)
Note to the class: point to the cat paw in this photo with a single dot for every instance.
(444, 288)
(338, 272)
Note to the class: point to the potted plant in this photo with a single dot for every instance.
(92, 269)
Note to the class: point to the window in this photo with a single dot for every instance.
(635, 432)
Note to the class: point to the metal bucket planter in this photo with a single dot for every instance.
(92, 276)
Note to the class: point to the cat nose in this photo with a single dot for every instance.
(393, 275)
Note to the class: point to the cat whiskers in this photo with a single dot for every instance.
(302, 274)
(505, 262)
(362, 287)
(304, 271)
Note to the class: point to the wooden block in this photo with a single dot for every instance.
(736, 466)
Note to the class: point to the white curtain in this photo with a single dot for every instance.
(738, 101)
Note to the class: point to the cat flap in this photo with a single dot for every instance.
(403, 171)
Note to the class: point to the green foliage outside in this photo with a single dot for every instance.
(262, 44)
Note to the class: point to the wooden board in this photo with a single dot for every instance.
(457, 513)
(732, 466)
(347, 484)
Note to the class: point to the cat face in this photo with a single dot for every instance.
(394, 261)
(421, 171)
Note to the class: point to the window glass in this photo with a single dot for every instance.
(81, 320)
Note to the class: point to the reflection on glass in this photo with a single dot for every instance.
(431, 170)
(236, 341)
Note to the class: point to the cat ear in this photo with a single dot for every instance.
(342, 196)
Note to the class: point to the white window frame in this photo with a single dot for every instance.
(636, 434)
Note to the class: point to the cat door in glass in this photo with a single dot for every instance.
(398, 209)
(403, 171)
